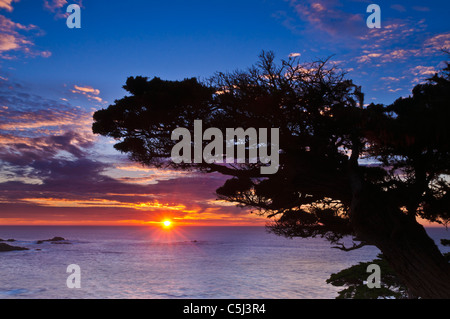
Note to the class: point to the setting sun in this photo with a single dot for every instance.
(167, 223)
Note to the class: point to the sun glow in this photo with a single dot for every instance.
(167, 223)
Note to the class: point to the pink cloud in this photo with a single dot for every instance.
(58, 7)
(438, 42)
(87, 89)
(325, 16)
(89, 92)
(424, 70)
(400, 33)
(398, 7)
(16, 37)
(53, 5)
(421, 9)
(7, 4)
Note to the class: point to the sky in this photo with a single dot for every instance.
(54, 171)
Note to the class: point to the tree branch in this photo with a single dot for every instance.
(354, 247)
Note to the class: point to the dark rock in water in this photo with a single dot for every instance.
(6, 247)
(54, 240)
(57, 239)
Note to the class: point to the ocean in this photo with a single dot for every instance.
(180, 262)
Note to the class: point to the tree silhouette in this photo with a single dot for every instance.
(354, 280)
(354, 277)
(345, 169)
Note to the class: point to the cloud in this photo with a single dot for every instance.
(424, 70)
(393, 33)
(27, 137)
(34, 128)
(87, 89)
(53, 171)
(7, 4)
(89, 92)
(18, 37)
(59, 7)
(400, 54)
(388, 56)
(8, 42)
(29, 115)
(135, 173)
(38, 120)
(27, 151)
(422, 73)
(421, 9)
(79, 190)
(50, 159)
(437, 43)
(398, 42)
(54, 5)
(398, 7)
(391, 78)
(368, 57)
(294, 55)
(326, 16)
(45, 54)
(317, 7)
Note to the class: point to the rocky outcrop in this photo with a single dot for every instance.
(54, 240)
(5, 247)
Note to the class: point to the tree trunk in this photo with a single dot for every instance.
(405, 244)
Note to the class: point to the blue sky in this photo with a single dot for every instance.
(52, 78)
(178, 39)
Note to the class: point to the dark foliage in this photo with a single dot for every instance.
(346, 169)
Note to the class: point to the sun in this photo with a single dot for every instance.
(167, 223)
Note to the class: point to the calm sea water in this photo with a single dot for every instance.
(184, 262)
